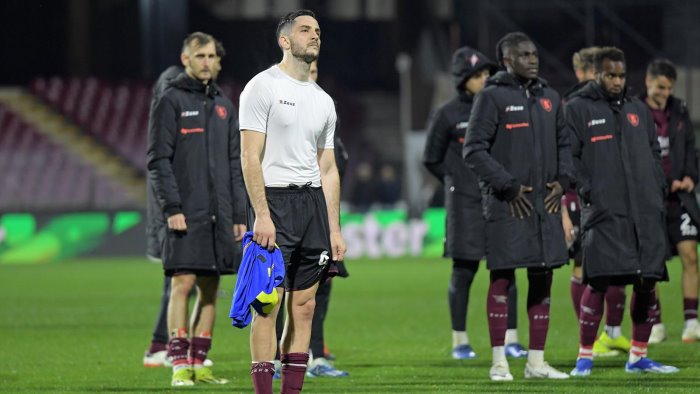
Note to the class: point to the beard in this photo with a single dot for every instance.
(301, 53)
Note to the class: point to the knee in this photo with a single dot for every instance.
(690, 263)
(305, 310)
(182, 285)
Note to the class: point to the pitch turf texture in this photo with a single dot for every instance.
(82, 326)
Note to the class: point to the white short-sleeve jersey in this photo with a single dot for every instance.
(298, 118)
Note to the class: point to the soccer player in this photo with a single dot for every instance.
(287, 126)
(620, 185)
(680, 163)
(465, 240)
(611, 341)
(518, 146)
(194, 167)
(157, 353)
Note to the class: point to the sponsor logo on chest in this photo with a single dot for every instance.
(462, 125)
(595, 122)
(289, 103)
(187, 114)
(515, 108)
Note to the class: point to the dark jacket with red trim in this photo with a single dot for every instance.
(620, 184)
(443, 158)
(516, 136)
(194, 169)
(683, 154)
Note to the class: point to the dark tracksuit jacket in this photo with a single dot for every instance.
(194, 167)
(620, 184)
(516, 136)
(443, 158)
(683, 154)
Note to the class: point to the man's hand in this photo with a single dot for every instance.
(177, 222)
(553, 200)
(520, 206)
(338, 247)
(264, 232)
(676, 185)
(238, 231)
(687, 184)
(568, 226)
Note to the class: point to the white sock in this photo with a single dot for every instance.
(499, 355)
(535, 358)
(459, 338)
(613, 331)
(511, 336)
(691, 322)
(637, 352)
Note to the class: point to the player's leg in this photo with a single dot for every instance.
(644, 313)
(263, 345)
(320, 366)
(295, 339)
(497, 315)
(156, 355)
(179, 344)
(577, 287)
(538, 306)
(463, 272)
(611, 341)
(688, 252)
(202, 328)
(592, 304)
(513, 347)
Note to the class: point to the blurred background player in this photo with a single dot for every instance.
(464, 227)
(194, 167)
(157, 353)
(620, 184)
(518, 145)
(611, 341)
(680, 163)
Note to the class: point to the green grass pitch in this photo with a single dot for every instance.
(82, 326)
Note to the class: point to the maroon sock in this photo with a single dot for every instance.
(615, 299)
(645, 313)
(157, 347)
(262, 374)
(657, 300)
(577, 288)
(177, 349)
(690, 308)
(497, 306)
(199, 347)
(592, 303)
(293, 371)
(538, 300)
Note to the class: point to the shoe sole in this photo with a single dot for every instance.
(689, 340)
(152, 365)
(498, 378)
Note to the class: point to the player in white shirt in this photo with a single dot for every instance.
(287, 124)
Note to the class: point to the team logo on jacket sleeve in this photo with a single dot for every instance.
(221, 111)
(633, 119)
(546, 104)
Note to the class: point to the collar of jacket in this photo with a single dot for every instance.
(465, 97)
(184, 82)
(571, 93)
(672, 104)
(504, 78)
(594, 91)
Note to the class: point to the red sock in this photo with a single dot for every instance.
(157, 347)
(293, 371)
(199, 347)
(262, 374)
(690, 308)
(177, 349)
(497, 308)
(577, 288)
(592, 303)
(645, 313)
(615, 299)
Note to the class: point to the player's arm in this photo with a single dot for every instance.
(162, 135)
(690, 169)
(252, 146)
(330, 182)
(574, 125)
(237, 186)
(436, 144)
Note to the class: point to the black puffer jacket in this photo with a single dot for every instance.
(516, 136)
(620, 184)
(443, 158)
(194, 167)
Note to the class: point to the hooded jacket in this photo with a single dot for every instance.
(194, 168)
(620, 184)
(516, 136)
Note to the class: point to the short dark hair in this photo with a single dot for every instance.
(288, 19)
(196, 40)
(611, 53)
(662, 67)
(510, 40)
(583, 60)
(220, 50)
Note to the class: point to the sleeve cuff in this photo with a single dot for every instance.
(171, 210)
(512, 192)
